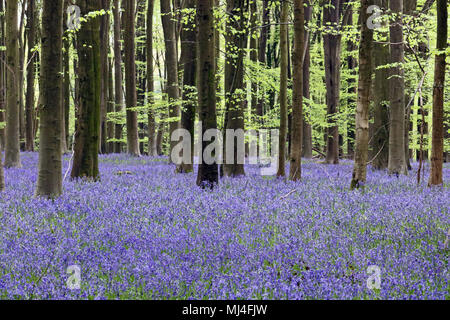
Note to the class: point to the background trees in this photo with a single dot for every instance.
(267, 69)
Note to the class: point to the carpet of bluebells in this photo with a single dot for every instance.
(145, 232)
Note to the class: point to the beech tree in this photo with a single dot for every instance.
(397, 161)
(130, 78)
(208, 174)
(150, 81)
(363, 102)
(437, 149)
(49, 182)
(12, 147)
(118, 92)
(85, 159)
(297, 91)
(31, 71)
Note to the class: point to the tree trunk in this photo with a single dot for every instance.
(2, 177)
(297, 91)
(437, 147)
(307, 130)
(172, 67)
(118, 93)
(235, 44)
(2, 76)
(151, 82)
(130, 78)
(207, 173)
(104, 51)
(66, 85)
(12, 149)
(363, 101)
(110, 108)
(283, 88)
(380, 138)
(49, 182)
(188, 61)
(85, 161)
(31, 71)
(332, 53)
(397, 162)
(262, 51)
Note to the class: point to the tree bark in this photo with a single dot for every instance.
(172, 68)
(437, 146)
(130, 78)
(85, 160)
(397, 161)
(12, 149)
(118, 92)
(104, 51)
(283, 88)
(380, 138)
(151, 82)
(235, 44)
(307, 130)
(297, 91)
(2, 77)
(188, 63)
(207, 173)
(332, 53)
(49, 183)
(363, 101)
(31, 71)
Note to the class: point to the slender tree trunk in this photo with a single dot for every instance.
(85, 161)
(188, 61)
(104, 51)
(297, 91)
(49, 182)
(130, 78)
(66, 86)
(397, 162)
(2, 75)
(31, 71)
(254, 55)
(235, 44)
(380, 138)
(110, 107)
(12, 149)
(283, 88)
(262, 51)
(207, 173)
(151, 82)
(437, 149)
(363, 101)
(21, 39)
(307, 130)
(118, 92)
(332, 53)
(172, 67)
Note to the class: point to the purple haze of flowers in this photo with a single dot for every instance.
(146, 232)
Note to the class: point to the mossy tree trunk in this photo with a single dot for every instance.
(49, 182)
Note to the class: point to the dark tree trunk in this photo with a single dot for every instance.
(31, 71)
(380, 138)
(437, 149)
(235, 44)
(332, 53)
(66, 86)
(297, 91)
(307, 130)
(151, 82)
(130, 78)
(207, 173)
(188, 61)
(2, 76)
(49, 183)
(104, 51)
(118, 92)
(110, 108)
(85, 161)
(12, 149)
(171, 56)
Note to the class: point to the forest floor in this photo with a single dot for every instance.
(145, 232)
